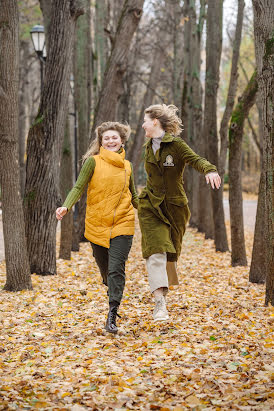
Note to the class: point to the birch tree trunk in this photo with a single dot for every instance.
(43, 162)
(117, 63)
(17, 264)
(240, 113)
(264, 48)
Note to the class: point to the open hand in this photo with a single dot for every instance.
(214, 179)
(60, 212)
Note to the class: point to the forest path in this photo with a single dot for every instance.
(214, 352)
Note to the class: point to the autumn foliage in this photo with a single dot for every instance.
(213, 354)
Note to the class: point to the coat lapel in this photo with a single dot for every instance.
(150, 157)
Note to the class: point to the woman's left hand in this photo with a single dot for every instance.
(214, 179)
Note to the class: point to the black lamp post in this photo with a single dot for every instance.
(38, 39)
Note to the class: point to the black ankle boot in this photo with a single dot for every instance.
(111, 326)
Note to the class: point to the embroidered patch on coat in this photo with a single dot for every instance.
(169, 161)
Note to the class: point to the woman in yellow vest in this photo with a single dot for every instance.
(111, 196)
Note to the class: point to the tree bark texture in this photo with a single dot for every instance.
(174, 13)
(45, 6)
(101, 45)
(232, 88)
(24, 58)
(126, 101)
(17, 264)
(82, 79)
(257, 271)
(240, 113)
(135, 153)
(42, 174)
(213, 57)
(66, 182)
(264, 48)
(117, 63)
(192, 98)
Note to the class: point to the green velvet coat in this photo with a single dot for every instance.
(163, 210)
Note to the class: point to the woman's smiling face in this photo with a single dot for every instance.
(111, 140)
(148, 126)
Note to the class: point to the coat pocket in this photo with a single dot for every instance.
(180, 201)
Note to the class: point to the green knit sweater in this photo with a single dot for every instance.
(84, 178)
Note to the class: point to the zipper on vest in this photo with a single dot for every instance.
(118, 204)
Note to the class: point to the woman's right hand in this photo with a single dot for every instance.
(60, 212)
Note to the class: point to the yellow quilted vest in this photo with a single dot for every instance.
(109, 211)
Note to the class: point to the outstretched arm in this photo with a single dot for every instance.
(202, 165)
(73, 196)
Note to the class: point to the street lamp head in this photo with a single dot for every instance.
(38, 39)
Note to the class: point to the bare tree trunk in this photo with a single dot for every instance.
(257, 271)
(232, 88)
(192, 101)
(82, 77)
(66, 182)
(100, 41)
(264, 47)
(42, 182)
(240, 113)
(45, 6)
(213, 56)
(135, 153)
(174, 14)
(221, 238)
(128, 81)
(23, 108)
(17, 264)
(117, 63)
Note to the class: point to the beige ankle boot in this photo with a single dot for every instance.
(160, 312)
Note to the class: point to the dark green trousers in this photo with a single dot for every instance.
(111, 262)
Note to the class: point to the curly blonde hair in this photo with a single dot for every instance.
(123, 129)
(167, 116)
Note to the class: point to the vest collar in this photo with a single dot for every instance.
(117, 159)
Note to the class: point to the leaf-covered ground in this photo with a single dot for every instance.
(213, 354)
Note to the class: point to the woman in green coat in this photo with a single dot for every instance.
(163, 210)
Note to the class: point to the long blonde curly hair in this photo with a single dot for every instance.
(123, 129)
(167, 116)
